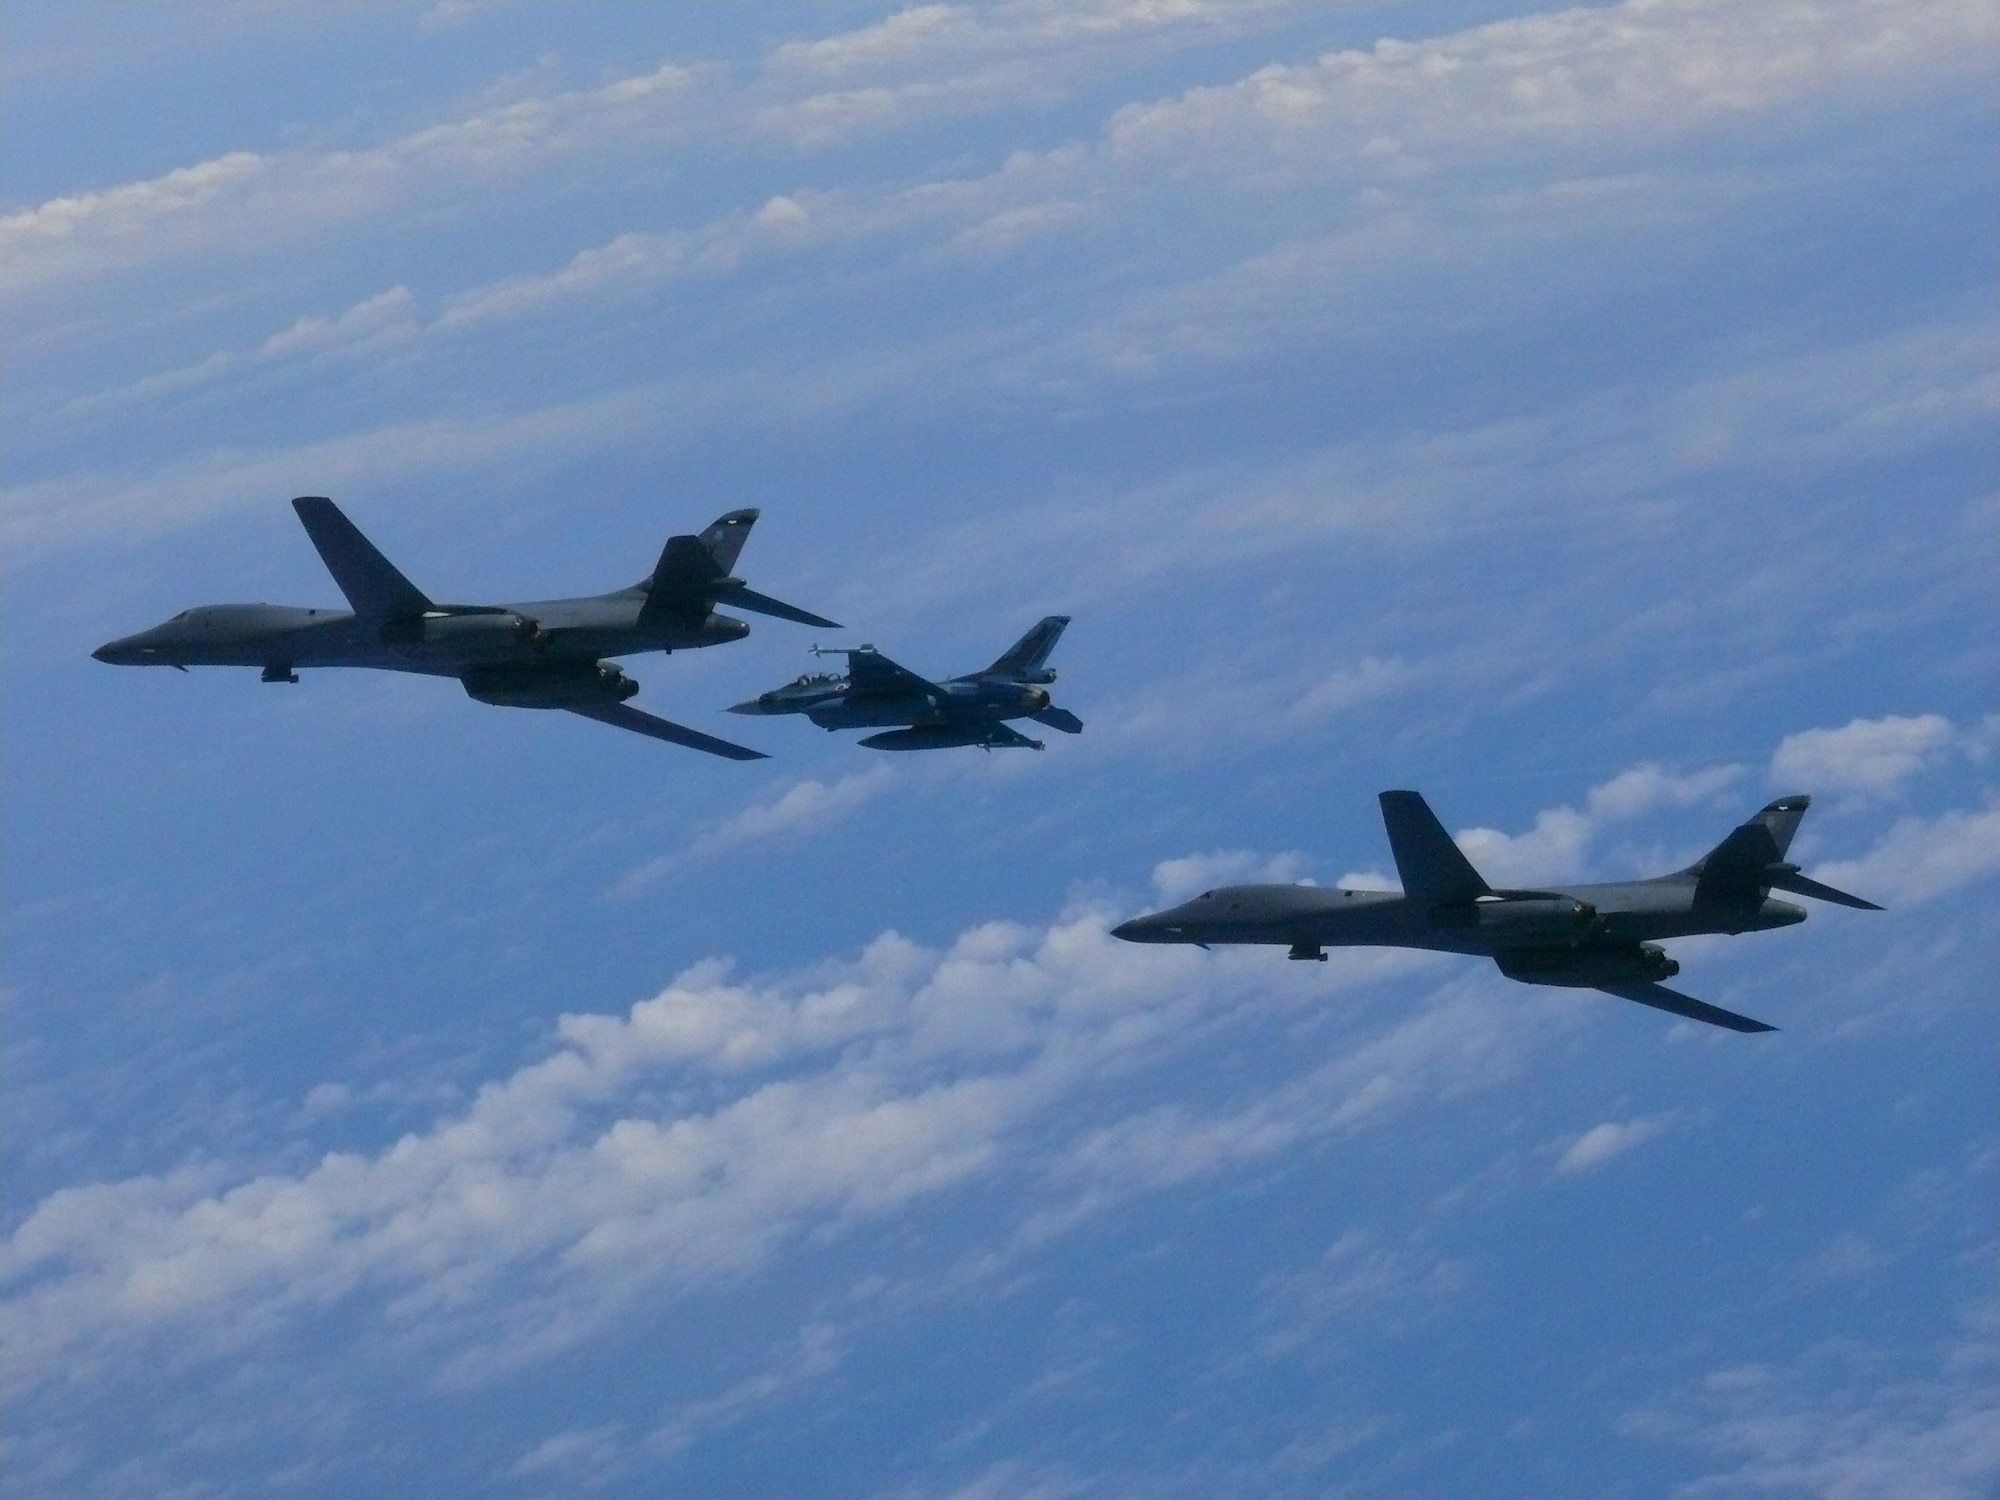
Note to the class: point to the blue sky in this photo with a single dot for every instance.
(1586, 416)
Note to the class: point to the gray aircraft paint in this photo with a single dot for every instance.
(968, 710)
(1600, 936)
(541, 653)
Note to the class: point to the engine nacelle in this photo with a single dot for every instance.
(1586, 968)
(1523, 921)
(548, 684)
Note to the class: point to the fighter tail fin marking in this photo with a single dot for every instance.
(1030, 654)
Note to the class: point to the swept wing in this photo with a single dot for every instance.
(1661, 998)
(870, 674)
(374, 586)
(1431, 866)
(619, 716)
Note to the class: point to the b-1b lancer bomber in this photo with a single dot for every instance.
(1600, 937)
(968, 710)
(544, 654)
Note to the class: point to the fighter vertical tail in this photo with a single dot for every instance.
(1027, 659)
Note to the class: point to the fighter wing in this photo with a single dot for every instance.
(373, 586)
(1006, 737)
(619, 716)
(1661, 998)
(870, 674)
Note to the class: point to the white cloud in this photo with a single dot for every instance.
(1553, 849)
(365, 319)
(1586, 77)
(837, 1095)
(1174, 880)
(1646, 69)
(1356, 1277)
(244, 200)
(1645, 788)
(932, 60)
(1923, 858)
(1613, 1138)
(1873, 757)
(1845, 1419)
(804, 806)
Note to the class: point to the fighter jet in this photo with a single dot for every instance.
(968, 710)
(544, 654)
(1580, 936)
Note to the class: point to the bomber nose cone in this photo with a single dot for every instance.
(1133, 931)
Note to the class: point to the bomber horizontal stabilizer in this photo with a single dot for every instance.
(693, 576)
(619, 716)
(1800, 885)
(739, 597)
(1661, 998)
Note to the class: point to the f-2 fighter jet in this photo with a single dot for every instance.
(1581, 936)
(544, 654)
(968, 710)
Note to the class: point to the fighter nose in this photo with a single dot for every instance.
(748, 706)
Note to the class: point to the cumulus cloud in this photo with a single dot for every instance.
(834, 1096)
(1174, 880)
(1920, 859)
(1552, 849)
(1872, 757)
(1647, 788)
(1613, 1138)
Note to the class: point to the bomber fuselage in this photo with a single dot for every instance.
(444, 642)
(1303, 916)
